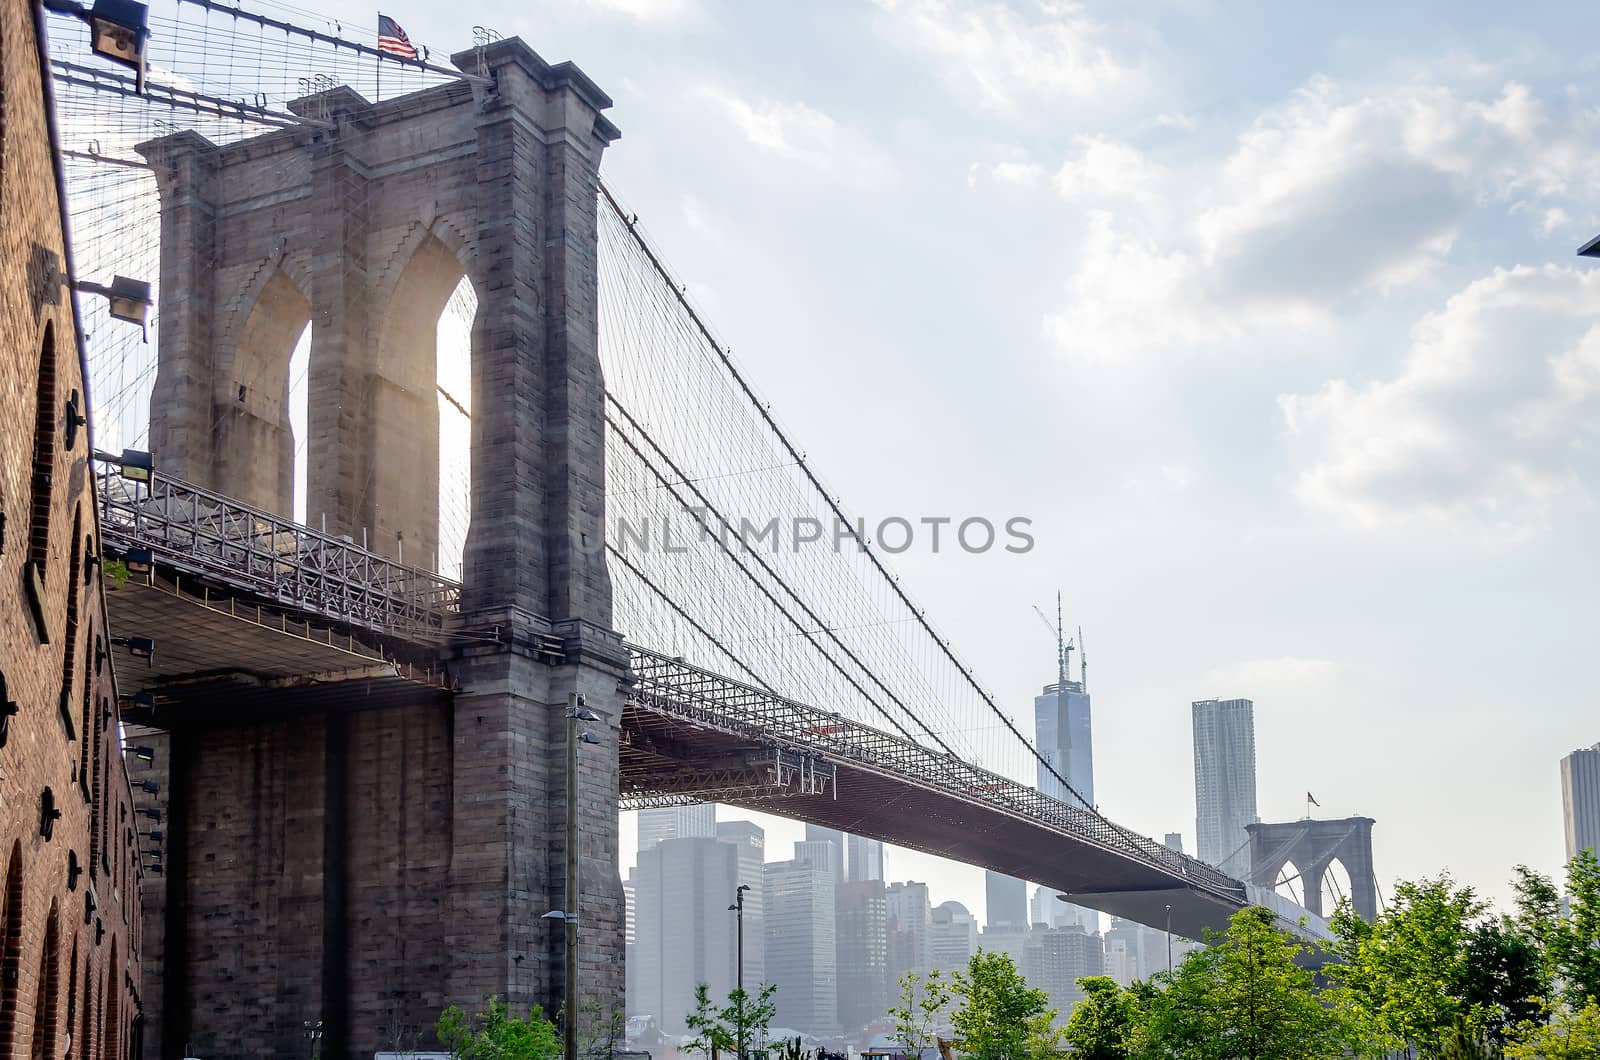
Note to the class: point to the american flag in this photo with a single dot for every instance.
(392, 40)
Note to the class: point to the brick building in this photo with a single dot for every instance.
(69, 838)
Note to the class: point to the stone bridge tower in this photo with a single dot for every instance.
(1312, 846)
(366, 863)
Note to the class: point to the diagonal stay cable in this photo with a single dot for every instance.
(744, 386)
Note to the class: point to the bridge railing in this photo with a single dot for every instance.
(675, 687)
(247, 549)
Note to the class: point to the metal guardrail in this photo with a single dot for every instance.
(676, 688)
(202, 532)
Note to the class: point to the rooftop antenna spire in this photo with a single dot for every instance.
(1083, 660)
(1063, 650)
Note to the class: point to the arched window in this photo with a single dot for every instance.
(44, 454)
(69, 650)
(47, 999)
(72, 999)
(85, 1044)
(11, 950)
(111, 995)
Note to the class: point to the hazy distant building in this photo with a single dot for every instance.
(863, 859)
(630, 966)
(1005, 902)
(1045, 908)
(1175, 841)
(683, 932)
(750, 841)
(1056, 958)
(908, 911)
(1145, 947)
(800, 943)
(1064, 734)
(1580, 798)
(861, 923)
(952, 936)
(1224, 782)
(824, 848)
(677, 822)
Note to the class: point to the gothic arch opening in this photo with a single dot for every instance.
(1335, 885)
(416, 499)
(256, 440)
(1290, 883)
(10, 949)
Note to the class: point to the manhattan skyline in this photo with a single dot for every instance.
(1179, 377)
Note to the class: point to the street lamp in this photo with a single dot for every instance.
(576, 712)
(738, 910)
(129, 300)
(1169, 940)
(118, 30)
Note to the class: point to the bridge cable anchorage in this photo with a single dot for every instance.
(795, 596)
(721, 352)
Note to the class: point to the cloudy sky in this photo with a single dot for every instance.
(1266, 314)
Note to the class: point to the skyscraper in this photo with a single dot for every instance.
(1580, 799)
(861, 921)
(750, 840)
(683, 932)
(1005, 902)
(1056, 958)
(677, 822)
(908, 930)
(952, 936)
(1063, 733)
(824, 848)
(1224, 782)
(800, 942)
(863, 859)
(1174, 841)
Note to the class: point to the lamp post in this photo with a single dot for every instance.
(1169, 940)
(576, 712)
(738, 914)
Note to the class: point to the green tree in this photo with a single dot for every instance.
(495, 1034)
(749, 1019)
(916, 1017)
(1574, 944)
(1403, 981)
(1570, 1035)
(1103, 1025)
(1001, 1017)
(705, 1022)
(1505, 980)
(1244, 998)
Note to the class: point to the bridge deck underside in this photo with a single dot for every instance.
(221, 658)
(661, 752)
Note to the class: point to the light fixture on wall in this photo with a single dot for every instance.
(128, 299)
(119, 30)
(138, 647)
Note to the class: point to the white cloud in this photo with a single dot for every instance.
(799, 133)
(1327, 197)
(1051, 52)
(1287, 673)
(1023, 174)
(645, 10)
(1485, 424)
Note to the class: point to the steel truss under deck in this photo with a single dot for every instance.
(675, 688)
(194, 529)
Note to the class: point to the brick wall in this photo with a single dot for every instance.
(69, 850)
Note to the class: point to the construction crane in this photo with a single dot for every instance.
(1064, 647)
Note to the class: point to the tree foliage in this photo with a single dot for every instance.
(1403, 979)
(710, 1032)
(495, 1034)
(1570, 1035)
(749, 1019)
(1574, 942)
(916, 1017)
(1105, 1024)
(1001, 1017)
(1244, 998)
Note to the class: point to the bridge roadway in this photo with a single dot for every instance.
(278, 618)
